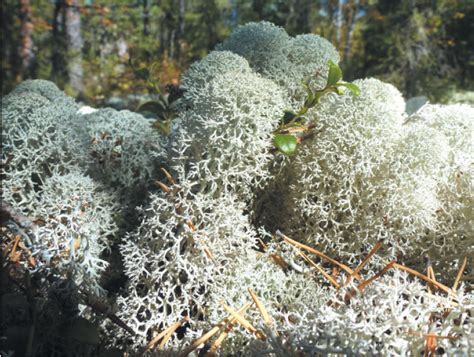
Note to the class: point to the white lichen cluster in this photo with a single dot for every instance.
(64, 171)
(223, 137)
(286, 60)
(123, 149)
(392, 316)
(75, 224)
(369, 173)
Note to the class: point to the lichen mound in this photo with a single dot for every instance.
(370, 175)
(233, 223)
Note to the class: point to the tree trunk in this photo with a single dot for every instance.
(350, 29)
(146, 18)
(58, 45)
(181, 27)
(74, 45)
(338, 23)
(26, 50)
(302, 20)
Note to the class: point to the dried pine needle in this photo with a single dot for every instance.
(262, 243)
(164, 334)
(191, 226)
(14, 255)
(321, 270)
(163, 186)
(459, 275)
(203, 339)
(170, 332)
(278, 260)
(366, 259)
(318, 253)
(365, 283)
(208, 252)
(243, 321)
(261, 308)
(217, 343)
(423, 277)
(168, 176)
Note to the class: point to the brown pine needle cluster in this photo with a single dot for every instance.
(236, 317)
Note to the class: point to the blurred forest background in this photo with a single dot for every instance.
(424, 47)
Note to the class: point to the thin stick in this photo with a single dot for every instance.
(278, 260)
(419, 334)
(102, 308)
(243, 321)
(261, 308)
(164, 333)
(197, 342)
(367, 258)
(316, 252)
(168, 176)
(321, 270)
(262, 243)
(364, 284)
(217, 343)
(170, 332)
(163, 186)
(423, 277)
(460, 272)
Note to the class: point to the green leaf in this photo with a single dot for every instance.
(288, 116)
(339, 91)
(352, 87)
(310, 95)
(285, 143)
(318, 95)
(334, 75)
(152, 107)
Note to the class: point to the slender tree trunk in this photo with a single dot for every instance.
(146, 18)
(26, 50)
(350, 29)
(234, 15)
(181, 27)
(338, 23)
(74, 44)
(167, 31)
(291, 14)
(58, 45)
(330, 27)
(304, 10)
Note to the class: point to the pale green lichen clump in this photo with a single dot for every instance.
(368, 174)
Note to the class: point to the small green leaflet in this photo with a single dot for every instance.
(352, 87)
(285, 143)
(334, 75)
(153, 107)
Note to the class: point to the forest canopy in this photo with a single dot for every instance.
(423, 47)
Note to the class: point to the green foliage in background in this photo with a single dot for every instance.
(424, 47)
